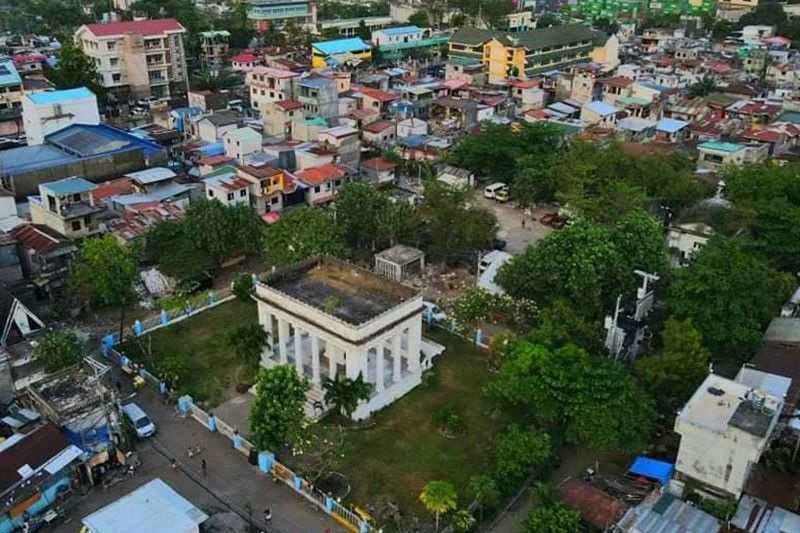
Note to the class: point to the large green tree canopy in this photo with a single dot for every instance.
(730, 297)
(593, 398)
(302, 233)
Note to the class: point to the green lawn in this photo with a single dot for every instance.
(200, 341)
(404, 450)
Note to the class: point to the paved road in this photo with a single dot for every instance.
(231, 483)
(510, 220)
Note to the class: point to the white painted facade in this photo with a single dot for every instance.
(684, 240)
(387, 349)
(724, 429)
(48, 112)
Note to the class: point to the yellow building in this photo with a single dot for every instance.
(339, 52)
(527, 53)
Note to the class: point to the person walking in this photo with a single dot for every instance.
(267, 515)
(190, 452)
(174, 464)
(204, 467)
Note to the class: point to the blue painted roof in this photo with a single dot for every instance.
(400, 30)
(9, 74)
(342, 46)
(719, 146)
(601, 108)
(73, 185)
(315, 82)
(212, 149)
(55, 97)
(671, 125)
(87, 140)
(28, 158)
(652, 469)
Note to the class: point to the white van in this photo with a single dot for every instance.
(141, 423)
(491, 190)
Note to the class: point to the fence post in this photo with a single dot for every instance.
(212, 298)
(107, 343)
(137, 328)
(188, 309)
(237, 439)
(478, 336)
(328, 504)
(265, 460)
(212, 422)
(123, 360)
(254, 277)
(363, 527)
(452, 325)
(162, 388)
(297, 483)
(185, 403)
(164, 318)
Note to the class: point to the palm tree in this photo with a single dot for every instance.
(438, 498)
(345, 393)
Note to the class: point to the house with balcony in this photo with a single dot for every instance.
(214, 48)
(717, 154)
(320, 97)
(322, 182)
(139, 58)
(227, 186)
(267, 85)
(67, 207)
(277, 117)
(268, 186)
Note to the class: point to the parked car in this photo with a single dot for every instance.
(433, 312)
(141, 423)
(491, 190)
(502, 196)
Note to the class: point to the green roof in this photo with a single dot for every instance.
(720, 146)
(721, 99)
(789, 116)
(215, 33)
(532, 39)
(644, 102)
(464, 61)
(221, 171)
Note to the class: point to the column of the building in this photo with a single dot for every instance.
(397, 357)
(265, 319)
(332, 352)
(365, 363)
(283, 339)
(298, 350)
(379, 384)
(414, 343)
(314, 359)
(353, 362)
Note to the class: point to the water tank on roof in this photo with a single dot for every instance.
(287, 160)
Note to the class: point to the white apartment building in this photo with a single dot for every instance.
(47, 112)
(137, 59)
(268, 85)
(725, 427)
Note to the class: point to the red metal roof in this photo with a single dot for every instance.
(39, 238)
(112, 188)
(381, 96)
(523, 84)
(214, 160)
(244, 58)
(594, 506)
(762, 135)
(617, 81)
(377, 164)
(320, 174)
(145, 27)
(33, 450)
(377, 127)
(289, 105)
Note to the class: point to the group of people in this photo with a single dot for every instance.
(191, 452)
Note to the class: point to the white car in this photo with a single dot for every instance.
(432, 313)
(491, 190)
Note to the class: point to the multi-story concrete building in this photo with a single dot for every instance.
(10, 86)
(66, 206)
(267, 85)
(214, 48)
(47, 112)
(137, 59)
(278, 13)
(526, 53)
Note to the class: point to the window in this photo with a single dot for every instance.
(210, 193)
(317, 188)
(112, 46)
(114, 61)
(76, 225)
(116, 78)
(273, 200)
(76, 197)
(243, 193)
(230, 196)
(87, 220)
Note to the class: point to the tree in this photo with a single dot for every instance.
(438, 497)
(419, 19)
(560, 324)
(372, 220)
(276, 415)
(519, 452)
(103, 273)
(167, 245)
(59, 349)
(243, 287)
(605, 25)
(75, 69)
(554, 518)
(483, 490)
(344, 394)
(704, 87)
(474, 306)
(454, 231)
(673, 376)
(248, 343)
(494, 12)
(545, 20)
(641, 244)
(363, 32)
(729, 296)
(578, 264)
(593, 398)
(302, 233)
(721, 29)
(463, 520)
(173, 370)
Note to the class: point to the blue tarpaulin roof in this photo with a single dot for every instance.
(212, 149)
(652, 469)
